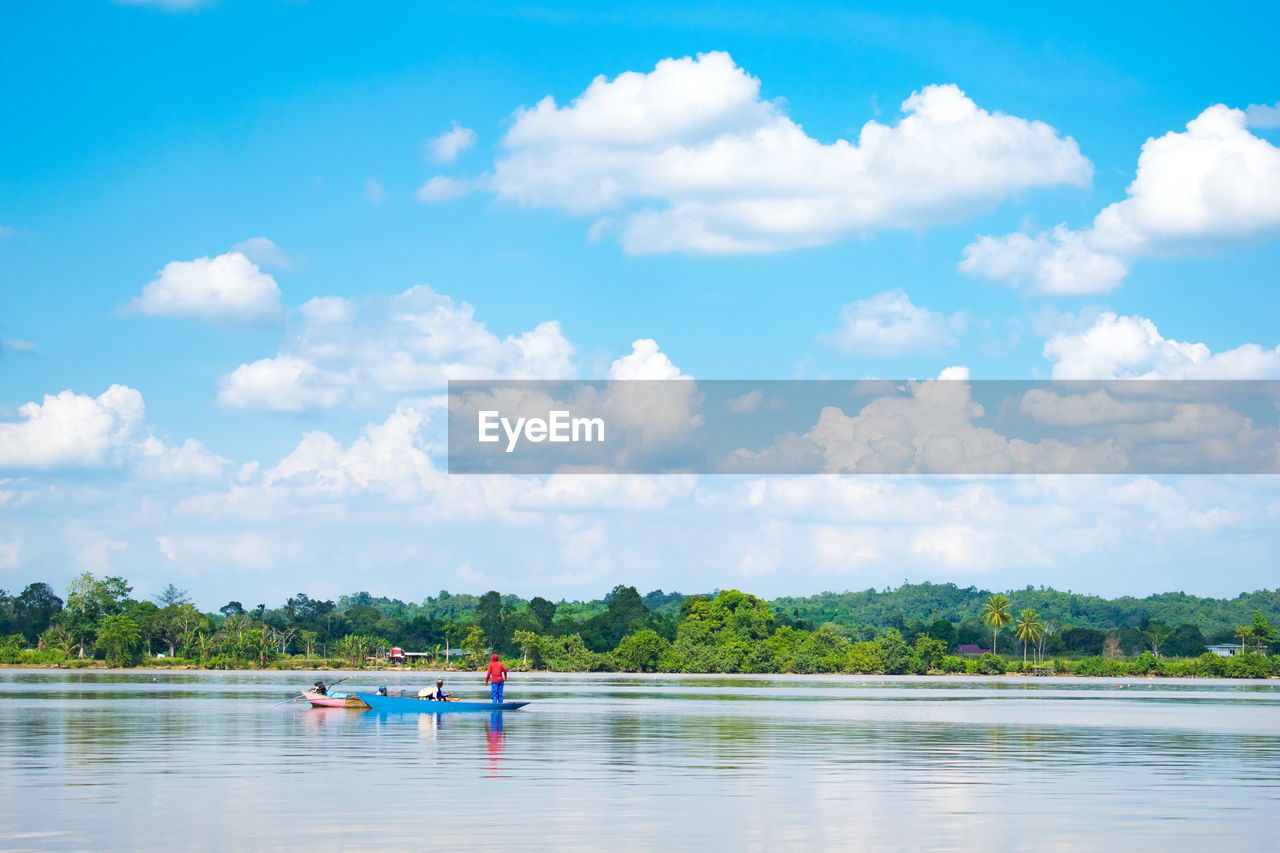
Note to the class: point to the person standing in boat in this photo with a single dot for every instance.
(495, 676)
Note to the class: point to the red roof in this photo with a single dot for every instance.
(971, 649)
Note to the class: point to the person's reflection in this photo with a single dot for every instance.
(430, 726)
(495, 737)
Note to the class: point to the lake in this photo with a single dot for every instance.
(203, 760)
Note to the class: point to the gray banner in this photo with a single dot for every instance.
(864, 427)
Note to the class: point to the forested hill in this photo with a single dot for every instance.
(927, 601)
(908, 603)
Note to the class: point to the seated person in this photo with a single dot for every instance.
(382, 691)
(439, 695)
(320, 689)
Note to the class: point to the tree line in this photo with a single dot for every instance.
(723, 631)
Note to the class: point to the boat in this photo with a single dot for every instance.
(334, 699)
(407, 704)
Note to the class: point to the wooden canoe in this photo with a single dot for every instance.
(334, 699)
(410, 705)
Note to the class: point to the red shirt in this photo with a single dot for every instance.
(496, 672)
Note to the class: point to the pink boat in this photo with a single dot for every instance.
(333, 699)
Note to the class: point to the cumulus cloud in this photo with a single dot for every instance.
(1263, 116)
(446, 147)
(358, 353)
(442, 188)
(889, 324)
(1215, 182)
(10, 554)
(374, 192)
(1120, 347)
(645, 361)
(264, 253)
(73, 429)
(76, 430)
(692, 159)
(229, 288)
(752, 402)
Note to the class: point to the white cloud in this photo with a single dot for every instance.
(73, 429)
(284, 383)
(1263, 116)
(1194, 190)
(446, 147)
(76, 430)
(92, 549)
(374, 191)
(10, 555)
(264, 253)
(751, 402)
(190, 462)
(351, 353)
(442, 188)
(645, 361)
(241, 550)
(728, 172)
(889, 324)
(227, 289)
(1119, 347)
(1059, 261)
(17, 346)
(5, 231)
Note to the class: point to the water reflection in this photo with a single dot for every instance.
(495, 737)
(637, 762)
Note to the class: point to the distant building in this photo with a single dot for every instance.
(1225, 650)
(970, 650)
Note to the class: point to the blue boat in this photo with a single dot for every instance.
(407, 704)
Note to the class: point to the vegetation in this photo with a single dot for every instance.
(914, 629)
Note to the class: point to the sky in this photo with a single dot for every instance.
(243, 247)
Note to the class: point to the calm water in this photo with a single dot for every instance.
(164, 761)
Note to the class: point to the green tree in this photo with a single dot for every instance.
(544, 611)
(1156, 633)
(88, 601)
(454, 633)
(118, 636)
(1028, 629)
(34, 608)
(995, 615)
(1244, 634)
(171, 596)
(475, 642)
(641, 651)
(308, 639)
(1263, 632)
(527, 641)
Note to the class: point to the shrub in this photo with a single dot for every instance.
(1250, 665)
(1146, 664)
(1062, 666)
(1209, 665)
(988, 664)
(951, 663)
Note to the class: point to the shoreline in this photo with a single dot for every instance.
(97, 666)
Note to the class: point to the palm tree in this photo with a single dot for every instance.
(995, 614)
(1244, 634)
(1028, 629)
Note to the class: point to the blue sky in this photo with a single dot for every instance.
(142, 135)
